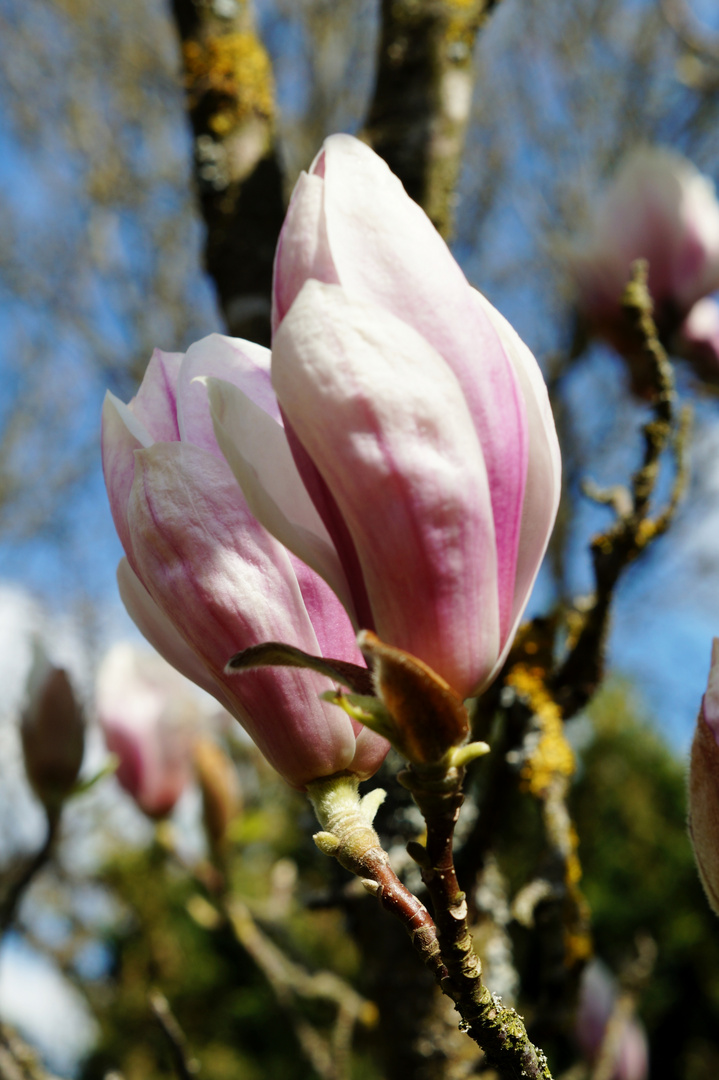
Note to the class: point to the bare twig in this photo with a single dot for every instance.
(18, 1061)
(633, 529)
(11, 900)
(497, 1029)
(186, 1067)
(697, 38)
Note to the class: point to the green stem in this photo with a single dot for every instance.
(349, 836)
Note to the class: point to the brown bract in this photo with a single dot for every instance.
(430, 717)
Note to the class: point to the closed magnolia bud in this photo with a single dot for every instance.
(221, 799)
(53, 732)
(704, 786)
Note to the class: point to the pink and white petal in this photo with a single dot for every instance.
(155, 404)
(302, 250)
(335, 632)
(122, 434)
(371, 750)
(242, 363)
(386, 423)
(386, 250)
(256, 448)
(154, 625)
(544, 472)
(226, 584)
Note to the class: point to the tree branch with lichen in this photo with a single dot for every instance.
(633, 529)
(423, 95)
(231, 103)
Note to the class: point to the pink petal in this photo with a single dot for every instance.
(226, 585)
(155, 404)
(303, 249)
(122, 434)
(711, 698)
(154, 625)
(544, 472)
(387, 425)
(385, 250)
(239, 362)
(256, 448)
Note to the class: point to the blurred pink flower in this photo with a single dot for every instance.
(598, 994)
(52, 728)
(418, 419)
(698, 340)
(659, 207)
(150, 717)
(203, 579)
(704, 786)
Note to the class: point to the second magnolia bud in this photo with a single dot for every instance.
(53, 732)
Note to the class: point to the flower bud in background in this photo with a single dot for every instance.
(221, 800)
(659, 207)
(418, 420)
(203, 579)
(150, 717)
(704, 786)
(597, 1000)
(698, 340)
(53, 731)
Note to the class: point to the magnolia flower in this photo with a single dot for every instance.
(704, 786)
(597, 1001)
(203, 578)
(150, 717)
(661, 208)
(53, 731)
(418, 421)
(698, 340)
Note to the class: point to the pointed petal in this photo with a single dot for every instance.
(155, 404)
(544, 473)
(122, 434)
(303, 249)
(226, 584)
(239, 362)
(387, 425)
(386, 250)
(256, 449)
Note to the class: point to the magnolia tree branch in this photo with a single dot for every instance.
(447, 947)
(186, 1067)
(230, 100)
(497, 1029)
(633, 529)
(17, 1060)
(19, 882)
(423, 96)
(290, 982)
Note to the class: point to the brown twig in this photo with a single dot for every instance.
(186, 1067)
(633, 529)
(17, 1060)
(11, 900)
(697, 38)
(497, 1029)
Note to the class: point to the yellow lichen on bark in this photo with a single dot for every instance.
(552, 757)
(237, 68)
